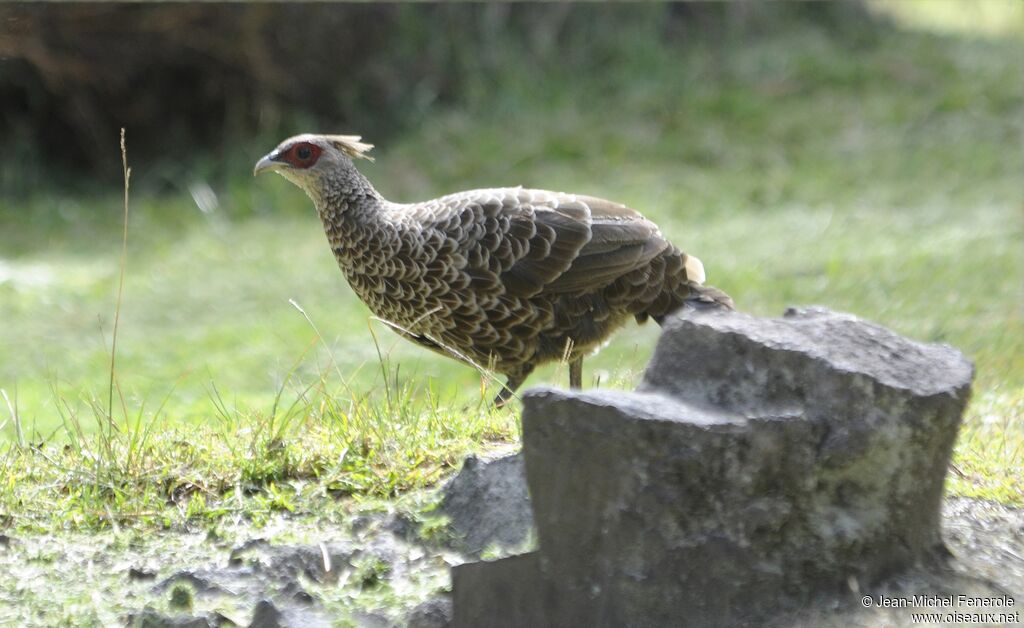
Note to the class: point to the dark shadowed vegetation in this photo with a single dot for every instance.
(201, 80)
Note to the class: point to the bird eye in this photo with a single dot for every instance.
(302, 155)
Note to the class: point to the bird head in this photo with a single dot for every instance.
(309, 160)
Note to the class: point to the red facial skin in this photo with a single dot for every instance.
(301, 155)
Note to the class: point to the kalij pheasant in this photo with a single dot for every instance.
(505, 278)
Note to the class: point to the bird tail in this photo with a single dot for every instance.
(685, 289)
(707, 298)
(694, 296)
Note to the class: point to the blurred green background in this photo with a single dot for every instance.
(866, 157)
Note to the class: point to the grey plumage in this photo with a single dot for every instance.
(508, 278)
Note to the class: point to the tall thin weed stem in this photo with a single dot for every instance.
(127, 172)
(12, 408)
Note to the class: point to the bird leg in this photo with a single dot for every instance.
(514, 381)
(576, 373)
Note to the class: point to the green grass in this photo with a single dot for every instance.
(243, 464)
(878, 174)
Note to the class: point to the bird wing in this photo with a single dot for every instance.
(580, 243)
(522, 242)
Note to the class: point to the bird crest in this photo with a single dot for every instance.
(351, 145)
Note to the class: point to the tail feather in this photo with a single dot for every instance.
(697, 297)
(707, 297)
(681, 287)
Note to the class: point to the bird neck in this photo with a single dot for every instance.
(346, 196)
(356, 219)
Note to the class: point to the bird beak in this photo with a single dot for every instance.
(268, 163)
